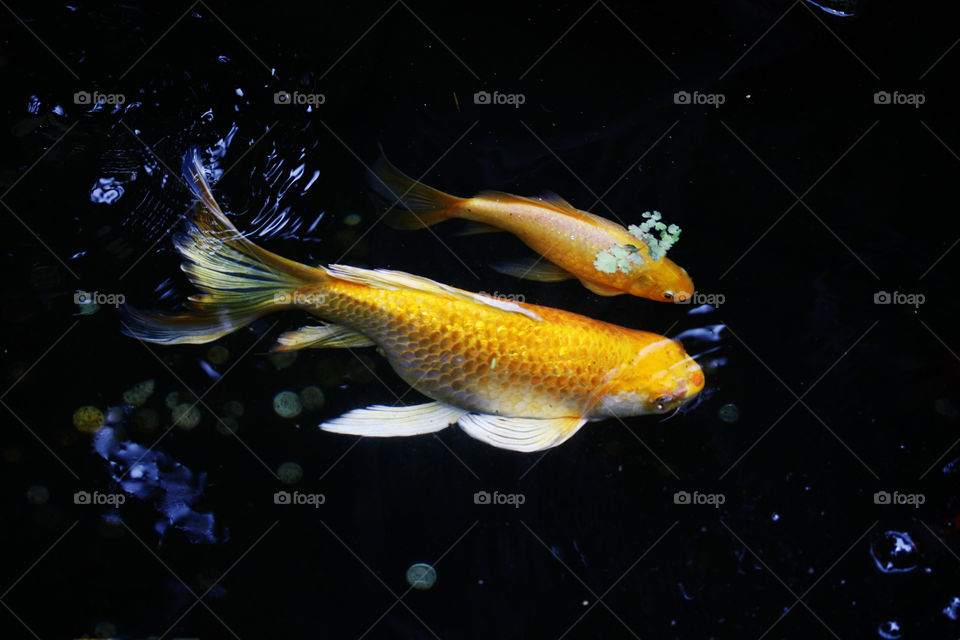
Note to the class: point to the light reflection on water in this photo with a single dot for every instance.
(154, 476)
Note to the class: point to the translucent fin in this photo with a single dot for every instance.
(532, 269)
(322, 337)
(601, 290)
(183, 328)
(557, 202)
(520, 434)
(380, 421)
(386, 279)
(413, 204)
(549, 201)
(239, 281)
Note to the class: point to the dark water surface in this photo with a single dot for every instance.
(812, 164)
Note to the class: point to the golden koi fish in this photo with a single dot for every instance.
(517, 376)
(568, 239)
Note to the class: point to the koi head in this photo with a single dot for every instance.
(666, 282)
(660, 378)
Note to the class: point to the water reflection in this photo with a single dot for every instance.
(155, 476)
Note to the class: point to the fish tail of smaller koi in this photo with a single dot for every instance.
(413, 204)
(240, 281)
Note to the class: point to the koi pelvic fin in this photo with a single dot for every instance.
(328, 336)
(601, 290)
(520, 434)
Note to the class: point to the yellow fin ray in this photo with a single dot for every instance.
(327, 336)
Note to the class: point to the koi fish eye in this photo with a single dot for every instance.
(668, 294)
(661, 402)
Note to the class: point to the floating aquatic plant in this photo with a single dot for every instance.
(623, 257)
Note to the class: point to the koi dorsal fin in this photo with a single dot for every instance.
(387, 279)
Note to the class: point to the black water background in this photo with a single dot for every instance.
(795, 303)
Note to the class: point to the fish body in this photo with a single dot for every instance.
(518, 376)
(503, 358)
(567, 239)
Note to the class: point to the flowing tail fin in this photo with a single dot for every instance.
(240, 281)
(414, 204)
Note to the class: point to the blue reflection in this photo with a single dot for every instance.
(153, 475)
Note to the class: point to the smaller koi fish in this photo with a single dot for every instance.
(607, 258)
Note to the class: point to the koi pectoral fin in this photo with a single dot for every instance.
(601, 290)
(533, 269)
(322, 337)
(520, 434)
(380, 421)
